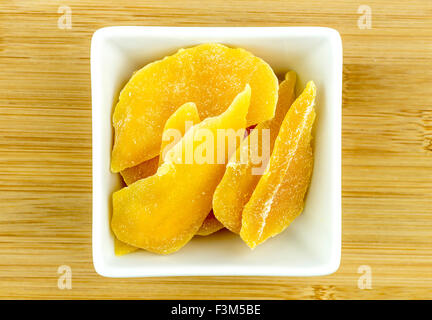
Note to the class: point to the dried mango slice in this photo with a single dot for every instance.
(186, 115)
(240, 180)
(141, 171)
(279, 195)
(210, 75)
(210, 225)
(176, 126)
(163, 212)
(181, 120)
(121, 248)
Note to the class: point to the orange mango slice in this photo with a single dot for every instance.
(240, 180)
(141, 171)
(279, 195)
(163, 212)
(175, 127)
(210, 225)
(181, 120)
(121, 248)
(177, 124)
(210, 75)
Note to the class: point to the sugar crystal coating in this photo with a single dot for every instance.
(279, 195)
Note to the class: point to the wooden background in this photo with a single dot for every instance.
(45, 147)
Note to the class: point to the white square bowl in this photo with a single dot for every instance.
(311, 246)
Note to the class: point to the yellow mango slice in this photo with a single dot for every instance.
(210, 225)
(210, 75)
(181, 120)
(279, 195)
(240, 180)
(163, 212)
(141, 171)
(186, 115)
(121, 248)
(176, 126)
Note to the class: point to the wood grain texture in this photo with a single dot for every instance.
(45, 147)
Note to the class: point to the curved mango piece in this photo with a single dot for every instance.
(180, 121)
(210, 225)
(279, 195)
(210, 75)
(121, 248)
(241, 177)
(176, 126)
(141, 171)
(163, 212)
(185, 117)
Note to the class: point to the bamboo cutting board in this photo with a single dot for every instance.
(45, 147)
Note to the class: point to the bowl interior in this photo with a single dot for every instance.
(311, 245)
